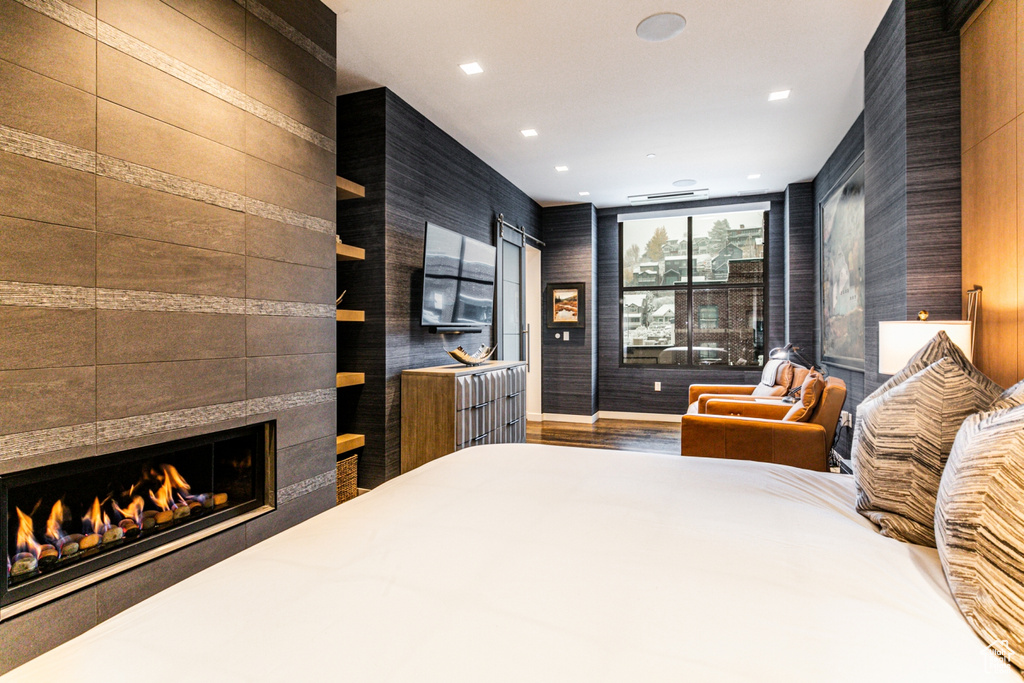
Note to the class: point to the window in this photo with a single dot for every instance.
(693, 290)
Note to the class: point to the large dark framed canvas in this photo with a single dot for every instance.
(842, 271)
(566, 305)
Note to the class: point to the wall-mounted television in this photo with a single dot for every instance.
(458, 281)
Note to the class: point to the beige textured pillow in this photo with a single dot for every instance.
(940, 346)
(901, 442)
(810, 395)
(979, 525)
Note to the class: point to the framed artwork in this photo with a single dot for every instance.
(566, 305)
(842, 271)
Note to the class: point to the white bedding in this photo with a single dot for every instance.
(541, 563)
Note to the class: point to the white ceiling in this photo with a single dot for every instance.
(601, 99)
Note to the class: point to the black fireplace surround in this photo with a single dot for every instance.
(63, 522)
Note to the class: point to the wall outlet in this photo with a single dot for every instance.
(845, 419)
(657, 386)
(565, 336)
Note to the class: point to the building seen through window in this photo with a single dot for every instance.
(693, 290)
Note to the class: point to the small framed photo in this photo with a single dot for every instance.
(566, 305)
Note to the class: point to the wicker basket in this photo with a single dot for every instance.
(347, 470)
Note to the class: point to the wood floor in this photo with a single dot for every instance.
(625, 435)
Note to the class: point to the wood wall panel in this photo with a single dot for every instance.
(993, 184)
(129, 314)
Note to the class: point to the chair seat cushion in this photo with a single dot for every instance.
(979, 525)
(902, 439)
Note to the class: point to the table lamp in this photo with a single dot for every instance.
(899, 340)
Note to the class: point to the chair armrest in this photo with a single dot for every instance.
(799, 444)
(698, 390)
(702, 401)
(758, 409)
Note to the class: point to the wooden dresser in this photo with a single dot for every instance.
(450, 407)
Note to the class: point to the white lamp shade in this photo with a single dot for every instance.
(898, 340)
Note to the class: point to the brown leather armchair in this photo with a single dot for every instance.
(768, 430)
(777, 380)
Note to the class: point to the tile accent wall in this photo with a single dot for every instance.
(167, 219)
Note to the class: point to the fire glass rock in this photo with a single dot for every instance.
(88, 542)
(220, 499)
(69, 547)
(47, 556)
(195, 508)
(113, 535)
(181, 511)
(207, 500)
(148, 520)
(164, 517)
(129, 527)
(24, 563)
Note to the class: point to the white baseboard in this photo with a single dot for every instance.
(579, 419)
(646, 417)
(534, 417)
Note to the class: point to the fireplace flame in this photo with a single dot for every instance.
(172, 482)
(133, 511)
(26, 539)
(54, 524)
(95, 520)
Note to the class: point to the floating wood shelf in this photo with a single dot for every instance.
(350, 442)
(349, 190)
(351, 316)
(351, 379)
(346, 252)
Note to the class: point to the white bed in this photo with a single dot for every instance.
(540, 563)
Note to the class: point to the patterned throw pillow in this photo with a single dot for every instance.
(1011, 398)
(901, 442)
(979, 525)
(940, 346)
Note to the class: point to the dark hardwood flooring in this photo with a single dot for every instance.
(625, 435)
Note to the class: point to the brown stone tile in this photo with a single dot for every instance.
(29, 635)
(151, 336)
(278, 186)
(268, 335)
(290, 514)
(145, 265)
(171, 32)
(132, 587)
(46, 398)
(226, 18)
(314, 20)
(280, 281)
(37, 190)
(42, 106)
(288, 97)
(136, 211)
(305, 423)
(46, 253)
(44, 459)
(142, 88)
(276, 241)
(277, 375)
(125, 134)
(46, 337)
(306, 460)
(146, 388)
(279, 147)
(164, 437)
(69, 57)
(284, 56)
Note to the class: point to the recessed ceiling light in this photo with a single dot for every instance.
(659, 27)
(529, 133)
(584, 194)
(471, 68)
(779, 95)
(561, 169)
(753, 176)
(651, 156)
(685, 183)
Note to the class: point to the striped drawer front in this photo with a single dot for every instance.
(490, 407)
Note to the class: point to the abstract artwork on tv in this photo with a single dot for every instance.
(842, 271)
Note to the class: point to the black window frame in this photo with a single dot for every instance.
(690, 287)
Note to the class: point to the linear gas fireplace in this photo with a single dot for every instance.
(66, 525)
